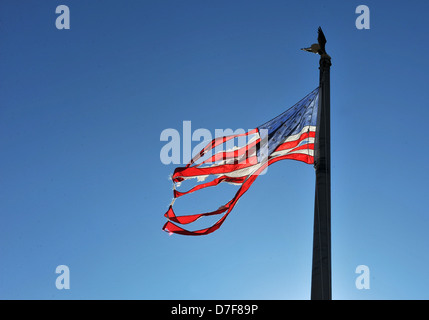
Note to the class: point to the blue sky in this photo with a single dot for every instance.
(82, 184)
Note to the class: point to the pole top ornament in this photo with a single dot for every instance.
(318, 48)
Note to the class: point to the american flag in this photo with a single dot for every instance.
(290, 135)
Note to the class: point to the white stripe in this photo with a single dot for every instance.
(296, 136)
(243, 172)
(284, 152)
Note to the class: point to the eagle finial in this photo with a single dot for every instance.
(319, 47)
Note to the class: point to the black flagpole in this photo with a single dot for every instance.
(321, 285)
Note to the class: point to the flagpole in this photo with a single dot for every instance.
(321, 283)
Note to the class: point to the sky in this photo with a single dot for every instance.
(81, 179)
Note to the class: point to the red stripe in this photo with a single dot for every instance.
(193, 217)
(308, 146)
(291, 144)
(294, 156)
(171, 227)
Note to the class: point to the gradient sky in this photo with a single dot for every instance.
(82, 184)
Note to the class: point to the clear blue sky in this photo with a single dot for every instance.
(82, 110)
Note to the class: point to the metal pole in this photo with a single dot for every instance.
(321, 284)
